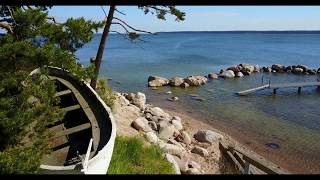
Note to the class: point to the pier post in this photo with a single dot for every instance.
(274, 91)
(299, 90)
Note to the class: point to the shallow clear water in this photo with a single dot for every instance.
(289, 120)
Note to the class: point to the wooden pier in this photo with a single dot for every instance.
(276, 86)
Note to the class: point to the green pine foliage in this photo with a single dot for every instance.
(27, 103)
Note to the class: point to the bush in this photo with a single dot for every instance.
(105, 92)
(130, 156)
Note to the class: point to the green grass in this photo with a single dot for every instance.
(130, 156)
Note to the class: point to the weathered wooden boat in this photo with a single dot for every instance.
(83, 141)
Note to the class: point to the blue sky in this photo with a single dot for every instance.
(207, 18)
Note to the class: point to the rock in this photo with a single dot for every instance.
(177, 118)
(193, 164)
(239, 74)
(201, 151)
(166, 132)
(297, 70)
(172, 141)
(156, 81)
(196, 80)
(311, 72)
(318, 71)
(277, 67)
(130, 96)
(256, 68)
(123, 101)
(153, 125)
(139, 100)
(172, 160)
(221, 71)
(266, 69)
(156, 111)
(171, 148)
(184, 85)
(176, 81)
(162, 124)
(273, 71)
(212, 76)
(247, 68)
(184, 137)
(303, 67)
(177, 124)
(228, 74)
(182, 163)
(246, 73)
(288, 68)
(148, 116)
(235, 69)
(152, 138)
(174, 98)
(169, 92)
(198, 98)
(154, 88)
(193, 171)
(141, 123)
(207, 136)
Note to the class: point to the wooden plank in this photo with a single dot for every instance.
(71, 108)
(72, 130)
(253, 90)
(61, 93)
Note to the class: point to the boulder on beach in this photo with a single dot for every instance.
(174, 163)
(277, 67)
(256, 68)
(266, 69)
(201, 151)
(176, 81)
(207, 136)
(152, 137)
(196, 80)
(171, 148)
(141, 124)
(288, 69)
(166, 132)
(228, 74)
(139, 100)
(221, 71)
(312, 71)
(318, 71)
(156, 81)
(212, 76)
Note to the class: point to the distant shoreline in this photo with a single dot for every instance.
(245, 31)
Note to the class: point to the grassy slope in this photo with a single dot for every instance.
(130, 156)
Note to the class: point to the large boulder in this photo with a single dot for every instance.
(182, 163)
(212, 76)
(141, 124)
(207, 136)
(318, 71)
(256, 68)
(277, 67)
(166, 132)
(184, 137)
(311, 71)
(201, 151)
(171, 149)
(247, 68)
(196, 80)
(139, 100)
(174, 163)
(152, 138)
(303, 67)
(176, 81)
(177, 124)
(156, 81)
(184, 85)
(228, 74)
(288, 69)
(266, 69)
(156, 111)
(239, 74)
(235, 69)
(297, 70)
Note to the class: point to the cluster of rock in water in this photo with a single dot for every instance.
(167, 131)
(231, 72)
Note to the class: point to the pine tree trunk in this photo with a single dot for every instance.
(103, 40)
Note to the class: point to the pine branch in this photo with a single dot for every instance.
(137, 30)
